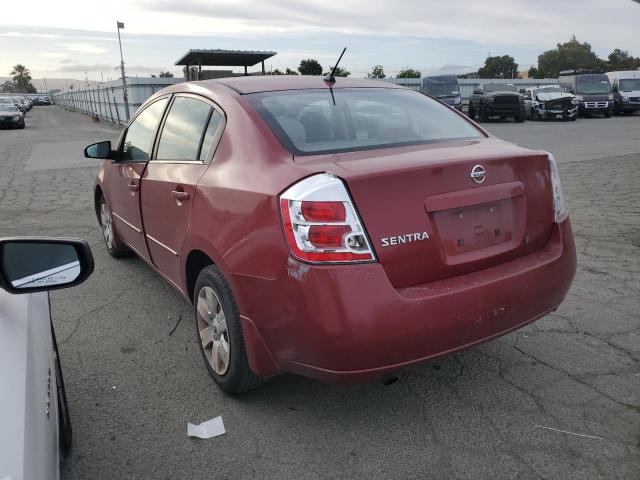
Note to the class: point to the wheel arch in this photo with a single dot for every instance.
(97, 196)
(196, 261)
(261, 360)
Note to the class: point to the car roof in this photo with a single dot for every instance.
(272, 83)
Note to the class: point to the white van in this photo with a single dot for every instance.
(626, 91)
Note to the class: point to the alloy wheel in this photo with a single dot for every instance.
(212, 329)
(107, 227)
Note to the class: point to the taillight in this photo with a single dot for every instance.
(560, 211)
(321, 223)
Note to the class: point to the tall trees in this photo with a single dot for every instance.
(340, 72)
(503, 66)
(310, 66)
(570, 55)
(409, 73)
(579, 55)
(22, 79)
(376, 72)
(621, 60)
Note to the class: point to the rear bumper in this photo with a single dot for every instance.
(348, 324)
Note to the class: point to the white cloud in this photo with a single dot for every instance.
(84, 48)
(81, 67)
(23, 34)
(507, 22)
(423, 34)
(52, 55)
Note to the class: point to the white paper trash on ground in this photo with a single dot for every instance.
(209, 429)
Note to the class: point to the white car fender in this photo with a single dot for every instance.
(28, 403)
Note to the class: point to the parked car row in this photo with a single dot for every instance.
(41, 100)
(11, 115)
(577, 93)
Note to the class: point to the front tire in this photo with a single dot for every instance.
(472, 113)
(111, 241)
(219, 331)
(519, 118)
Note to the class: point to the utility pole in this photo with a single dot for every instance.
(124, 79)
(45, 85)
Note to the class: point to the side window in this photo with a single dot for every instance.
(210, 135)
(182, 132)
(138, 140)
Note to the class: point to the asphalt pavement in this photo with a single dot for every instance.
(559, 399)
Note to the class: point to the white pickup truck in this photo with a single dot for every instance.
(550, 102)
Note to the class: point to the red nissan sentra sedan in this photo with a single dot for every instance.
(340, 231)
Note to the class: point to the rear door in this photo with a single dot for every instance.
(184, 149)
(123, 176)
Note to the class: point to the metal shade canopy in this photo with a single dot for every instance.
(224, 58)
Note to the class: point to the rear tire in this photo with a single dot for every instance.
(472, 113)
(519, 118)
(111, 241)
(219, 333)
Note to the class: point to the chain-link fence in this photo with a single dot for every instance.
(104, 101)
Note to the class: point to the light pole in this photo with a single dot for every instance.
(124, 79)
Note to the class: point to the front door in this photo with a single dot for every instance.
(184, 149)
(123, 176)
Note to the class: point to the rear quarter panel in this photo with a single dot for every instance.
(235, 218)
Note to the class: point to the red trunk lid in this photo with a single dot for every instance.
(428, 219)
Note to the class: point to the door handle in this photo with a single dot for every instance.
(133, 187)
(180, 195)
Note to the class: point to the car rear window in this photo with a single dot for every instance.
(323, 121)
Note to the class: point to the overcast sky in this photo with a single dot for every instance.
(430, 35)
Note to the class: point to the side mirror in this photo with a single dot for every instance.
(615, 88)
(39, 263)
(98, 150)
(477, 91)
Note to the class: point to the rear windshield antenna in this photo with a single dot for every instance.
(330, 77)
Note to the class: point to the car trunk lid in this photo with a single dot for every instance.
(428, 219)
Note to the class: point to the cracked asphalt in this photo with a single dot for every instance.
(559, 399)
